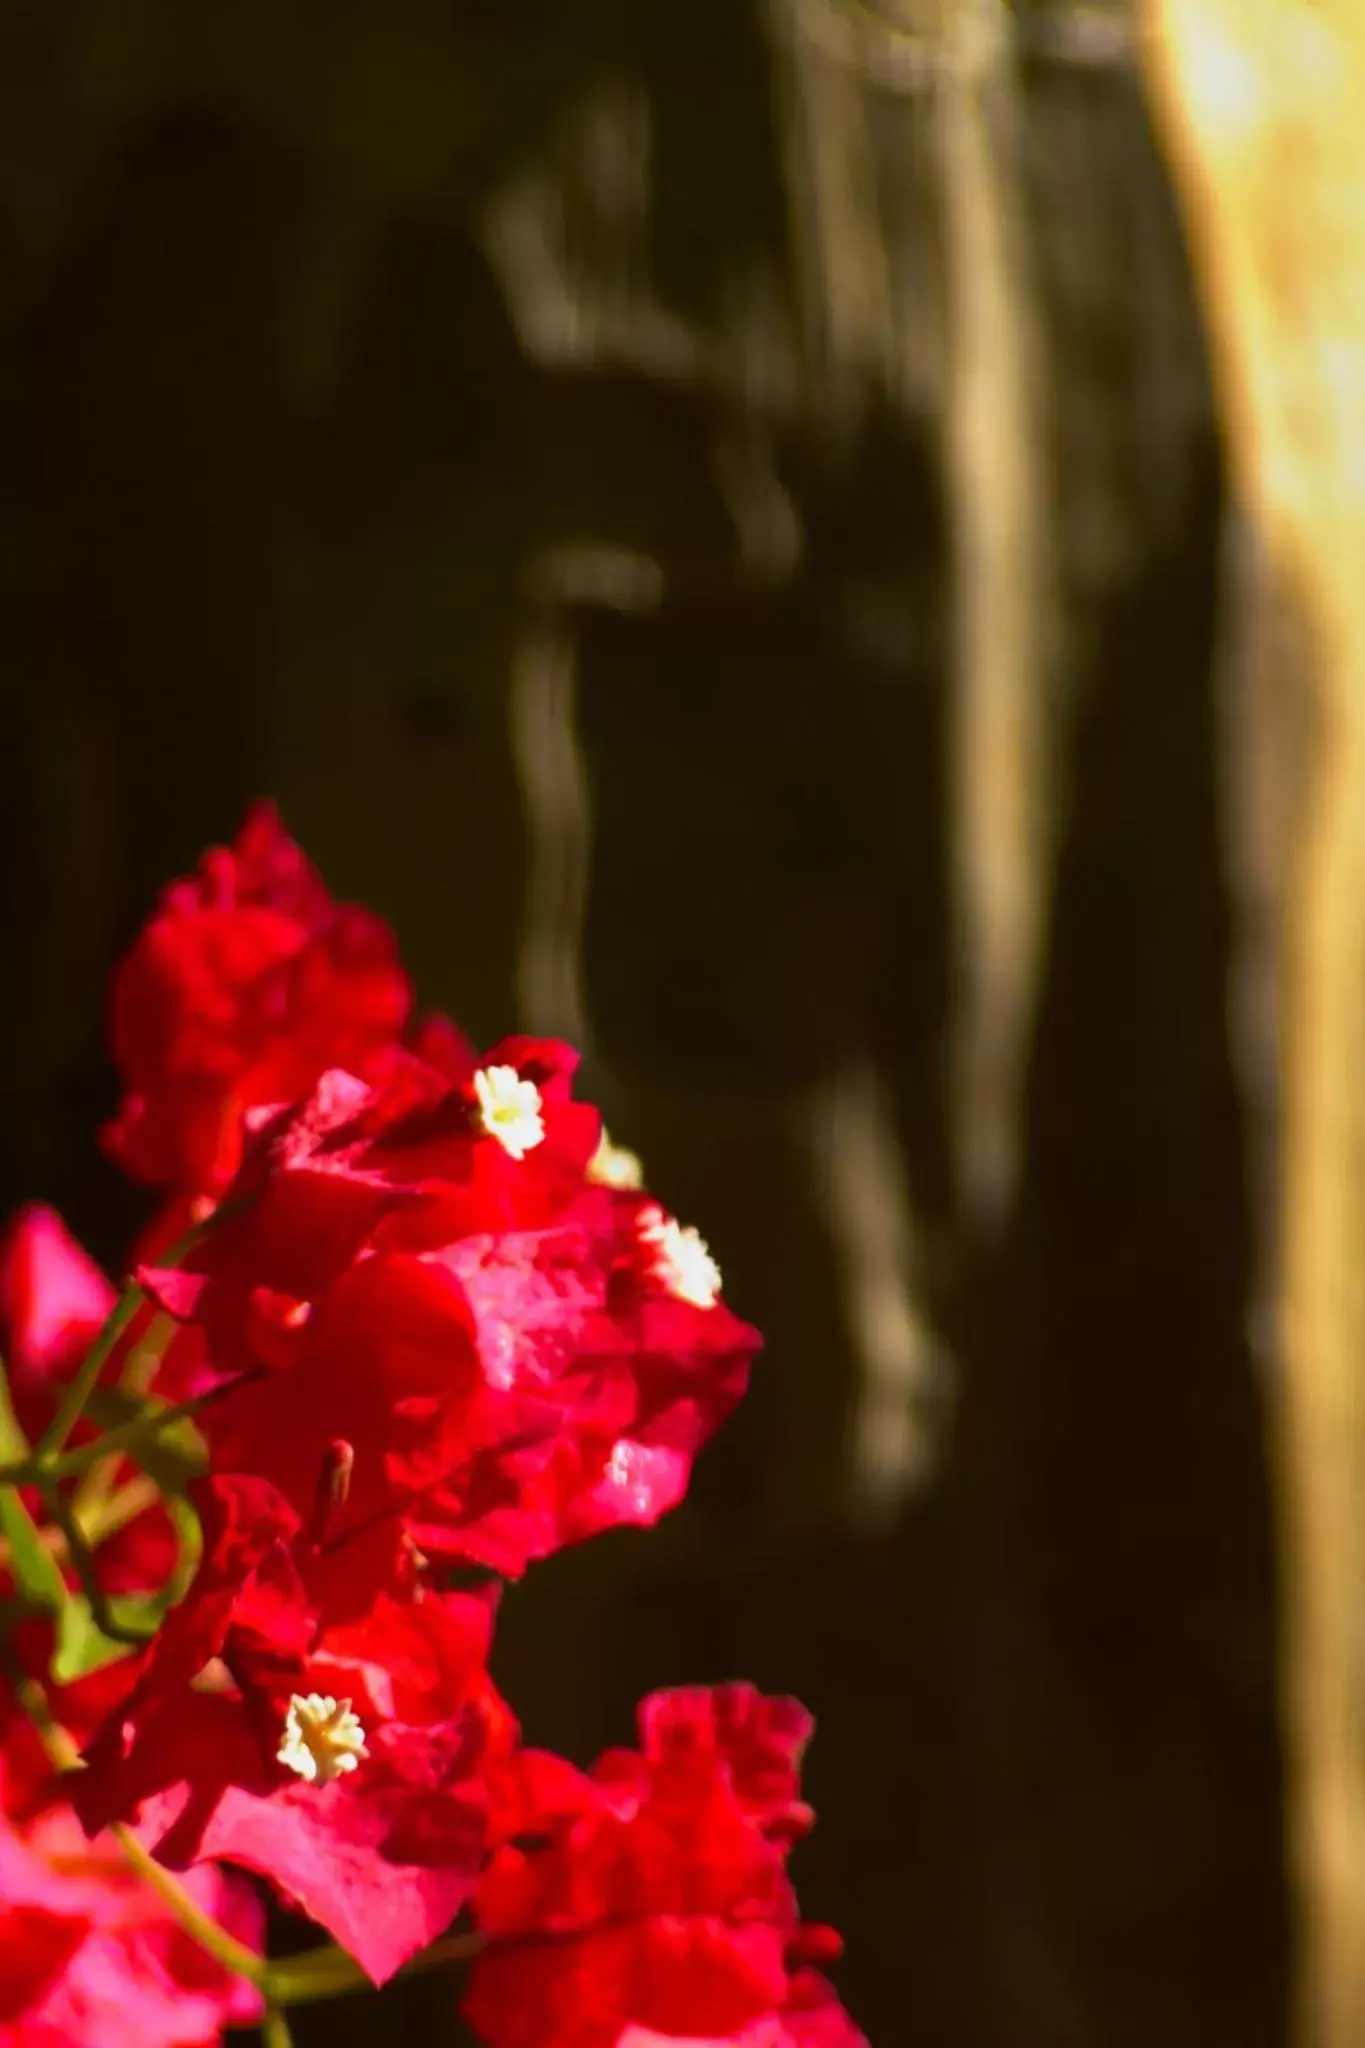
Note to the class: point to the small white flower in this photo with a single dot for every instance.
(322, 1738)
(681, 1260)
(612, 1166)
(509, 1110)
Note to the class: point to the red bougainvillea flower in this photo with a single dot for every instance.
(811, 2017)
(54, 1300)
(517, 1354)
(654, 1905)
(90, 1957)
(340, 1762)
(247, 982)
(636, 1374)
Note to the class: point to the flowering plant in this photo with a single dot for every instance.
(404, 1323)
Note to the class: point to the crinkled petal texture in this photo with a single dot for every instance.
(244, 986)
(491, 1335)
(383, 1859)
(384, 1853)
(812, 2017)
(653, 1903)
(90, 1957)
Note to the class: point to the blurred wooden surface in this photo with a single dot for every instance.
(1263, 109)
(713, 519)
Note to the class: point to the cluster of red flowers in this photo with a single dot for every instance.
(433, 1330)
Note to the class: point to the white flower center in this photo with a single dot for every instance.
(508, 1109)
(612, 1166)
(681, 1260)
(322, 1738)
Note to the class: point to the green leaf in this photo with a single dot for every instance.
(83, 1646)
(35, 1570)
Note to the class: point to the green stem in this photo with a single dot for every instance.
(102, 1522)
(117, 1509)
(215, 1940)
(139, 1370)
(275, 2028)
(127, 1436)
(72, 1404)
(330, 1973)
(13, 1442)
(79, 1553)
(60, 1751)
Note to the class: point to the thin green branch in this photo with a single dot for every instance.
(133, 1435)
(60, 1751)
(13, 1442)
(117, 1510)
(71, 1407)
(82, 1559)
(275, 2028)
(216, 1940)
(330, 1972)
(139, 1370)
(72, 1404)
(97, 1526)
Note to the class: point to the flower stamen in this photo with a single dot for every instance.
(614, 1166)
(680, 1259)
(508, 1109)
(322, 1738)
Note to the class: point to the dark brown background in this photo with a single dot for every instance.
(446, 414)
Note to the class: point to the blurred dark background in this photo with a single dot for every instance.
(709, 516)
